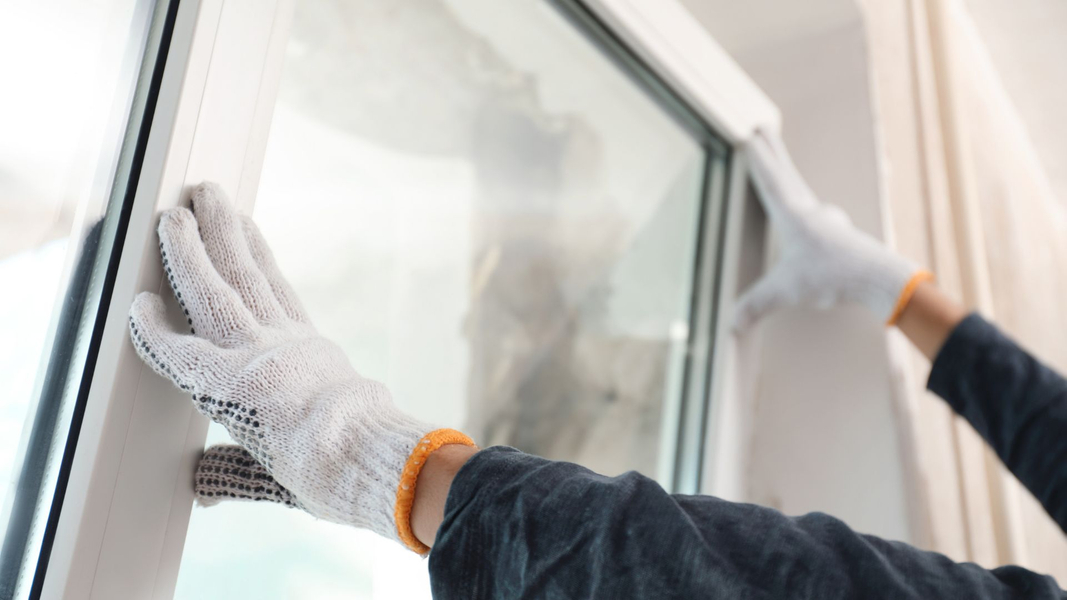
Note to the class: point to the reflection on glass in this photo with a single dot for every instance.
(496, 222)
(70, 71)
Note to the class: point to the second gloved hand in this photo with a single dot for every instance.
(825, 260)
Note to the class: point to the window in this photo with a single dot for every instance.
(66, 153)
(510, 213)
(500, 223)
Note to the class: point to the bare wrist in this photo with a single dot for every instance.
(929, 317)
(431, 490)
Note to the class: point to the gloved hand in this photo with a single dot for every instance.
(256, 365)
(825, 260)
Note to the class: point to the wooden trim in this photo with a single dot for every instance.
(965, 506)
(995, 523)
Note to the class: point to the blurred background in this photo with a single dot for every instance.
(491, 216)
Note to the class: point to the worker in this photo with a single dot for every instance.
(315, 434)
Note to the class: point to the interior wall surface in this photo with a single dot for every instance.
(824, 432)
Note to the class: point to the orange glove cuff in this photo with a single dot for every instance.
(907, 293)
(405, 491)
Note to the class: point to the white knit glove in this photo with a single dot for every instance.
(289, 396)
(825, 261)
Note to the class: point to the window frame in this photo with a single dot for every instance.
(122, 527)
(53, 421)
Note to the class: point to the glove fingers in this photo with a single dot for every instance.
(173, 355)
(214, 309)
(229, 472)
(782, 190)
(261, 253)
(224, 241)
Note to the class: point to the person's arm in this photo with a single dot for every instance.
(520, 526)
(1018, 405)
(1015, 403)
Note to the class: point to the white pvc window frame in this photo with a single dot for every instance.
(122, 527)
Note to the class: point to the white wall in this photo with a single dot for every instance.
(823, 436)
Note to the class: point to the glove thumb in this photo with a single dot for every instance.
(228, 472)
(764, 297)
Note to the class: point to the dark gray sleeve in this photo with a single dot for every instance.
(1017, 404)
(520, 526)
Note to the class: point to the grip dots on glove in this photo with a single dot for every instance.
(174, 287)
(241, 422)
(230, 472)
(149, 355)
(405, 492)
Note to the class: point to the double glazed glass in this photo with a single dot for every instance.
(70, 119)
(497, 221)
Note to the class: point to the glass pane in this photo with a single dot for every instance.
(71, 73)
(497, 222)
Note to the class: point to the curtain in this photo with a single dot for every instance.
(965, 193)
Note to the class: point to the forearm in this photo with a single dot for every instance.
(519, 526)
(1017, 404)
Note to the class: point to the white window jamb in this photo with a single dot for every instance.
(121, 530)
